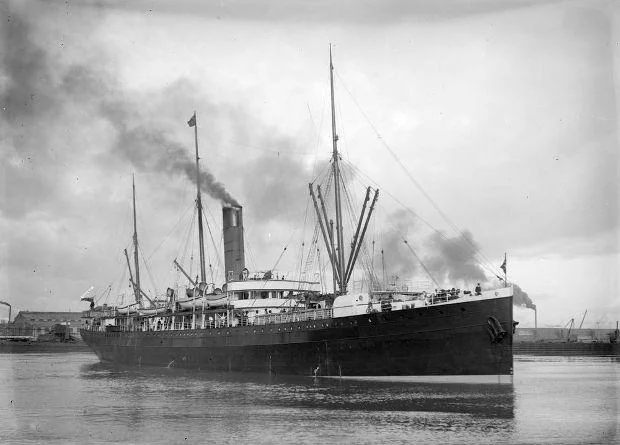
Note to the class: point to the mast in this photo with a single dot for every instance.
(333, 236)
(203, 275)
(137, 294)
(383, 266)
(336, 168)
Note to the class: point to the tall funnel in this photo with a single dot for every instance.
(234, 254)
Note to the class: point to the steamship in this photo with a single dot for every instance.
(267, 323)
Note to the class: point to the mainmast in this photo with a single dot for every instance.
(342, 283)
(137, 288)
(193, 123)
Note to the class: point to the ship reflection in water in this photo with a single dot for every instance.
(72, 398)
(258, 408)
(208, 389)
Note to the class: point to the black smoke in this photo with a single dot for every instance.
(398, 258)
(453, 259)
(150, 149)
(40, 92)
(521, 298)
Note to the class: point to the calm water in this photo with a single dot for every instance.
(71, 398)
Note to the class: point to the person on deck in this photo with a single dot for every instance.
(478, 289)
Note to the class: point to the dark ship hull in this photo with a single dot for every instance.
(446, 339)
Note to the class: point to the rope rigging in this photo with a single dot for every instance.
(453, 241)
(489, 265)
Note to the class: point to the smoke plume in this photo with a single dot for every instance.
(399, 260)
(521, 298)
(453, 259)
(150, 149)
(40, 92)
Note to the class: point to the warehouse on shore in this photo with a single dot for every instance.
(38, 323)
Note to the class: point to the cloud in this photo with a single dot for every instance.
(538, 158)
(71, 128)
(369, 12)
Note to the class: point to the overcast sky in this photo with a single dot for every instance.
(504, 112)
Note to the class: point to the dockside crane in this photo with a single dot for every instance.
(570, 325)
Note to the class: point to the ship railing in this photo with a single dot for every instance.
(290, 317)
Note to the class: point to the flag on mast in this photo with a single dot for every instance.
(503, 266)
(192, 121)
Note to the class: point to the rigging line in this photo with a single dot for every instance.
(303, 232)
(421, 263)
(454, 242)
(350, 197)
(292, 235)
(279, 258)
(309, 260)
(190, 242)
(170, 232)
(215, 246)
(314, 166)
(217, 256)
(485, 264)
(250, 251)
(120, 283)
(206, 222)
(250, 146)
(312, 253)
(148, 270)
(399, 162)
(322, 173)
(123, 270)
(319, 138)
(188, 237)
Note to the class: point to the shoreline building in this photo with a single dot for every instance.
(40, 323)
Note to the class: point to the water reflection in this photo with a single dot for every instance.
(71, 398)
(491, 401)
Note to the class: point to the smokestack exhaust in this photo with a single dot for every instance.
(234, 252)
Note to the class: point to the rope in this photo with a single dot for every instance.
(170, 232)
(148, 270)
(429, 225)
(418, 186)
(422, 263)
(218, 249)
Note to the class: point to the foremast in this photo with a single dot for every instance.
(136, 287)
(336, 171)
(341, 271)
